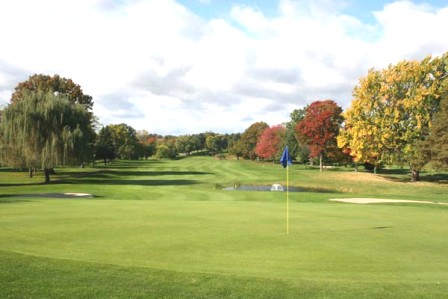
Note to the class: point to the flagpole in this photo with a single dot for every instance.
(286, 161)
(287, 200)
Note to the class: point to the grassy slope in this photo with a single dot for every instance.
(159, 228)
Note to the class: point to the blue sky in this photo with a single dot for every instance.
(219, 9)
(362, 9)
(189, 66)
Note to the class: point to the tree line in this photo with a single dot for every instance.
(398, 116)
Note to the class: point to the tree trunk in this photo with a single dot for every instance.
(415, 175)
(375, 169)
(321, 162)
(47, 172)
(30, 172)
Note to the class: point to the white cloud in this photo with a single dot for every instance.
(411, 31)
(156, 65)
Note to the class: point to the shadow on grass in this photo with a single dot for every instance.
(441, 178)
(110, 173)
(128, 164)
(404, 176)
(40, 183)
(117, 176)
(125, 177)
(9, 169)
(125, 181)
(10, 198)
(316, 190)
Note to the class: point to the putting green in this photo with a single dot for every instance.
(328, 241)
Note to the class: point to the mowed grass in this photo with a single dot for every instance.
(166, 229)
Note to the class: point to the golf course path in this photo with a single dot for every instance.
(380, 200)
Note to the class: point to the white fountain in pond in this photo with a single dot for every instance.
(277, 187)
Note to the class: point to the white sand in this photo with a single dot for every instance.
(78, 194)
(54, 195)
(380, 200)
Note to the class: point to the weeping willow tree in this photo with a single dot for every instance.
(44, 130)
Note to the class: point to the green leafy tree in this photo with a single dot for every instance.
(212, 144)
(298, 150)
(125, 141)
(234, 145)
(166, 149)
(44, 130)
(105, 149)
(187, 144)
(437, 144)
(63, 87)
(246, 145)
(216, 143)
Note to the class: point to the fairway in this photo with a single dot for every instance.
(166, 229)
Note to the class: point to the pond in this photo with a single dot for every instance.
(273, 188)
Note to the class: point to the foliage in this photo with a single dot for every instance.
(319, 128)
(166, 149)
(246, 145)
(216, 143)
(68, 89)
(361, 137)
(146, 144)
(150, 147)
(234, 147)
(105, 149)
(271, 143)
(44, 130)
(53, 84)
(437, 144)
(187, 144)
(125, 141)
(298, 150)
(392, 111)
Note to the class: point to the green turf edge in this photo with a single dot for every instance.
(26, 276)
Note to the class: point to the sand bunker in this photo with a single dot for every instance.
(380, 200)
(54, 195)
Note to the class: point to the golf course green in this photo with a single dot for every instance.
(167, 229)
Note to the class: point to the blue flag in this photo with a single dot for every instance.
(285, 159)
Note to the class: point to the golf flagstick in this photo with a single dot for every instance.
(286, 161)
(287, 200)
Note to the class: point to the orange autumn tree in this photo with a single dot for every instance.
(270, 143)
(319, 128)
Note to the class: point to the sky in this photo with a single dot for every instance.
(176, 67)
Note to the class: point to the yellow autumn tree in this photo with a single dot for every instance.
(360, 135)
(392, 111)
